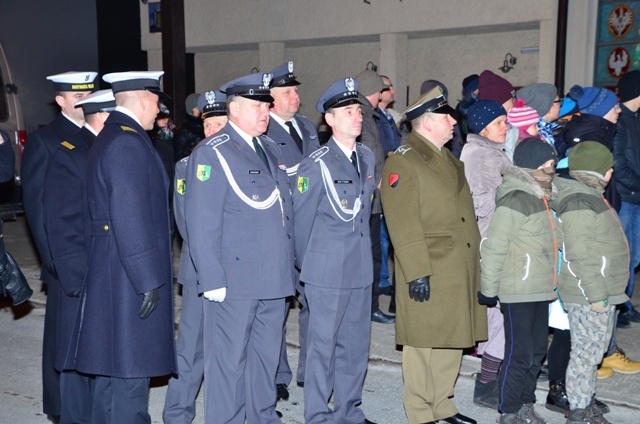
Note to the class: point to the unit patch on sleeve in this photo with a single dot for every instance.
(303, 184)
(394, 179)
(203, 172)
(180, 185)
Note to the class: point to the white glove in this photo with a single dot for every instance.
(600, 307)
(216, 295)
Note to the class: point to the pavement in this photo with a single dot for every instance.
(21, 344)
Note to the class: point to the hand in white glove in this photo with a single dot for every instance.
(216, 295)
(600, 306)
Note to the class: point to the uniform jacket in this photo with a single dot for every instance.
(370, 137)
(429, 213)
(483, 159)
(626, 155)
(595, 252)
(39, 147)
(186, 270)
(520, 252)
(332, 250)
(129, 254)
(67, 224)
(234, 245)
(291, 155)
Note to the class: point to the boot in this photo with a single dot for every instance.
(529, 415)
(486, 394)
(557, 400)
(589, 415)
(601, 406)
(13, 281)
(510, 419)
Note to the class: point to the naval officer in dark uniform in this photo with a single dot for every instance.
(240, 229)
(332, 205)
(70, 87)
(180, 400)
(66, 223)
(297, 137)
(124, 331)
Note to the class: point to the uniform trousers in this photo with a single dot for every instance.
(242, 340)
(51, 402)
(590, 334)
(429, 380)
(180, 401)
(337, 345)
(376, 250)
(284, 374)
(526, 327)
(121, 400)
(76, 398)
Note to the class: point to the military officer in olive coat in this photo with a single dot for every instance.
(430, 216)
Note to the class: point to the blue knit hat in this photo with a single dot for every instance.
(482, 113)
(593, 100)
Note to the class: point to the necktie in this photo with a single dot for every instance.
(294, 134)
(260, 152)
(354, 161)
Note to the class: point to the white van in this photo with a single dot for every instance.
(11, 123)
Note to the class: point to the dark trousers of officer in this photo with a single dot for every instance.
(525, 334)
(180, 401)
(284, 373)
(242, 340)
(77, 398)
(374, 225)
(121, 400)
(338, 345)
(51, 402)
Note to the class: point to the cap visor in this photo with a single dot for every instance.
(163, 96)
(444, 110)
(347, 102)
(259, 97)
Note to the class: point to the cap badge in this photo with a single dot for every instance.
(266, 80)
(210, 96)
(290, 66)
(350, 84)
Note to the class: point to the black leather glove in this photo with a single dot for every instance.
(419, 289)
(75, 293)
(149, 303)
(488, 301)
(13, 281)
(51, 269)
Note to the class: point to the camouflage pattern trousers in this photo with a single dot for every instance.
(590, 335)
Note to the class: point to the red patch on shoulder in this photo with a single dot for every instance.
(393, 180)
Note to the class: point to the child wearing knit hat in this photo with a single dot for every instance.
(524, 118)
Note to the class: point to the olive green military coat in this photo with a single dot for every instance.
(429, 212)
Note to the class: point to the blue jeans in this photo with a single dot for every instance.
(630, 218)
(385, 242)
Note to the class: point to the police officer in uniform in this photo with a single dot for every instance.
(66, 223)
(70, 87)
(297, 137)
(124, 331)
(180, 400)
(332, 205)
(240, 229)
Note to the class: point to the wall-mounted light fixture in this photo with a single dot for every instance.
(372, 66)
(509, 63)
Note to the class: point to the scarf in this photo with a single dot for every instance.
(546, 129)
(544, 178)
(591, 179)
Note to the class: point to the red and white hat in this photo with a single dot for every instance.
(522, 116)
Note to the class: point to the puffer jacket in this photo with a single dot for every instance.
(519, 255)
(483, 159)
(626, 156)
(595, 253)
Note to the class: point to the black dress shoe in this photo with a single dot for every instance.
(282, 392)
(382, 318)
(623, 321)
(279, 414)
(459, 419)
(300, 384)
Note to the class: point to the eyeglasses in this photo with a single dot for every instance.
(557, 101)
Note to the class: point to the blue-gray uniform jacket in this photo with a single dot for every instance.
(39, 147)
(186, 270)
(290, 153)
(332, 249)
(129, 254)
(66, 221)
(236, 240)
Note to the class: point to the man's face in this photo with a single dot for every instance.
(496, 130)
(440, 128)
(286, 101)
(346, 122)
(214, 124)
(251, 116)
(150, 109)
(388, 95)
(67, 100)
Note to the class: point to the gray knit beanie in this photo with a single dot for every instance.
(539, 96)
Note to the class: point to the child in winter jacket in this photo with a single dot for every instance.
(519, 257)
(594, 271)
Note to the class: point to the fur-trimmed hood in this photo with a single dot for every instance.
(516, 178)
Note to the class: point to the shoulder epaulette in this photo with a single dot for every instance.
(127, 128)
(68, 145)
(319, 153)
(267, 138)
(218, 140)
(185, 159)
(403, 149)
(364, 147)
